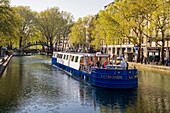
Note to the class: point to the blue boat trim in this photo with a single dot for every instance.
(100, 77)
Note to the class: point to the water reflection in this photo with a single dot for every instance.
(154, 92)
(111, 101)
(31, 84)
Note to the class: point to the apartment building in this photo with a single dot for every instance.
(150, 49)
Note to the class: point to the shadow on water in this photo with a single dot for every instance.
(17, 81)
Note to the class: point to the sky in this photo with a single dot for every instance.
(78, 8)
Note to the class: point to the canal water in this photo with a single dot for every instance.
(31, 85)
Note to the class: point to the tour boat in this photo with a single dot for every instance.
(96, 70)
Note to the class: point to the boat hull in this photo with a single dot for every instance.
(115, 78)
(106, 78)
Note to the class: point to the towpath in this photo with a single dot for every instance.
(3, 63)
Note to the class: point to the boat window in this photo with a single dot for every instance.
(67, 57)
(64, 57)
(61, 56)
(72, 59)
(76, 60)
(58, 55)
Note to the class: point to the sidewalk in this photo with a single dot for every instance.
(149, 67)
(3, 63)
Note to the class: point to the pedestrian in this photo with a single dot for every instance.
(127, 65)
(98, 63)
(168, 61)
(145, 60)
(141, 59)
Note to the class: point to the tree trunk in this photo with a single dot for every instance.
(63, 43)
(51, 45)
(138, 55)
(0, 51)
(43, 49)
(162, 49)
(10, 45)
(20, 42)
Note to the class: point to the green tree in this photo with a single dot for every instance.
(25, 23)
(132, 19)
(80, 33)
(160, 24)
(77, 35)
(105, 29)
(48, 23)
(64, 30)
(8, 24)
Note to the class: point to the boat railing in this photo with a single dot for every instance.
(90, 68)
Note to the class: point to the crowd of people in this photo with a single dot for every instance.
(89, 63)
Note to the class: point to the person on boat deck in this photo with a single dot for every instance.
(123, 63)
(90, 62)
(104, 64)
(98, 63)
(82, 64)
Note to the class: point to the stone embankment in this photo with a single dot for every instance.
(3, 63)
(150, 67)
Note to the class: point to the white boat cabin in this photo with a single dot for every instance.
(84, 61)
(79, 60)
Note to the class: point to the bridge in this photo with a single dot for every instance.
(34, 44)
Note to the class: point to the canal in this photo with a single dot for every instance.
(31, 85)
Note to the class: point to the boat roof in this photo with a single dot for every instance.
(85, 54)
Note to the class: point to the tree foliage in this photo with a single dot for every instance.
(81, 33)
(64, 30)
(104, 32)
(51, 23)
(26, 25)
(8, 24)
(132, 20)
(160, 25)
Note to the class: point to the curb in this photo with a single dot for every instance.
(149, 66)
(4, 65)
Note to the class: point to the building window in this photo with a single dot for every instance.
(113, 51)
(123, 49)
(118, 51)
(128, 49)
